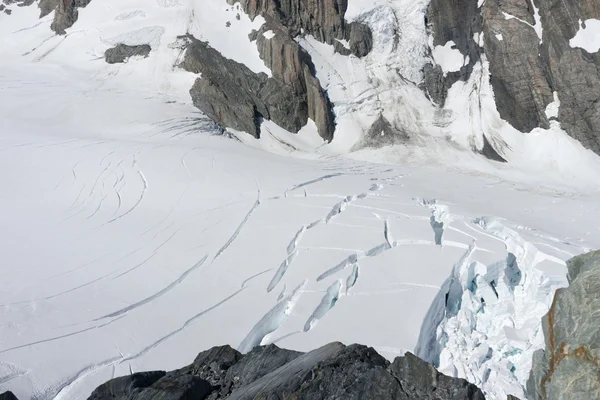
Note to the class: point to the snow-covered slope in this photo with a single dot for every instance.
(134, 234)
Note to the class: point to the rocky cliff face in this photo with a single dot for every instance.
(235, 97)
(527, 45)
(323, 19)
(333, 371)
(569, 367)
(293, 94)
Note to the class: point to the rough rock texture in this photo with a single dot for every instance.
(458, 21)
(569, 367)
(332, 372)
(518, 76)
(323, 19)
(235, 97)
(293, 94)
(121, 52)
(529, 58)
(574, 73)
(66, 11)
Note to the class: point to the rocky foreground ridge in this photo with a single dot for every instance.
(569, 367)
(333, 371)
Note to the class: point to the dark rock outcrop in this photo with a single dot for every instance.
(333, 371)
(527, 63)
(573, 72)
(518, 76)
(65, 15)
(323, 19)
(121, 52)
(8, 396)
(66, 11)
(235, 97)
(458, 21)
(569, 367)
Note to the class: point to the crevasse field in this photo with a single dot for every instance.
(134, 234)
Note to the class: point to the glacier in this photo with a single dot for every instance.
(137, 233)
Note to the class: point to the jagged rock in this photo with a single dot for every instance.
(235, 97)
(525, 69)
(66, 11)
(155, 385)
(421, 380)
(569, 367)
(66, 14)
(458, 21)
(333, 371)
(122, 52)
(258, 363)
(434, 83)
(8, 396)
(323, 19)
(126, 385)
(574, 73)
(518, 78)
(292, 65)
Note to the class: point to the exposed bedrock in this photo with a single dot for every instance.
(458, 21)
(569, 367)
(518, 74)
(574, 73)
(323, 19)
(527, 44)
(121, 52)
(235, 97)
(333, 371)
(66, 12)
(293, 94)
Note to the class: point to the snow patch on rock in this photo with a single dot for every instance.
(588, 36)
(448, 57)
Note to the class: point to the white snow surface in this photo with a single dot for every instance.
(588, 36)
(136, 235)
(449, 57)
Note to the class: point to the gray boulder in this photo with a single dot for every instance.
(121, 52)
(333, 371)
(569, 367)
